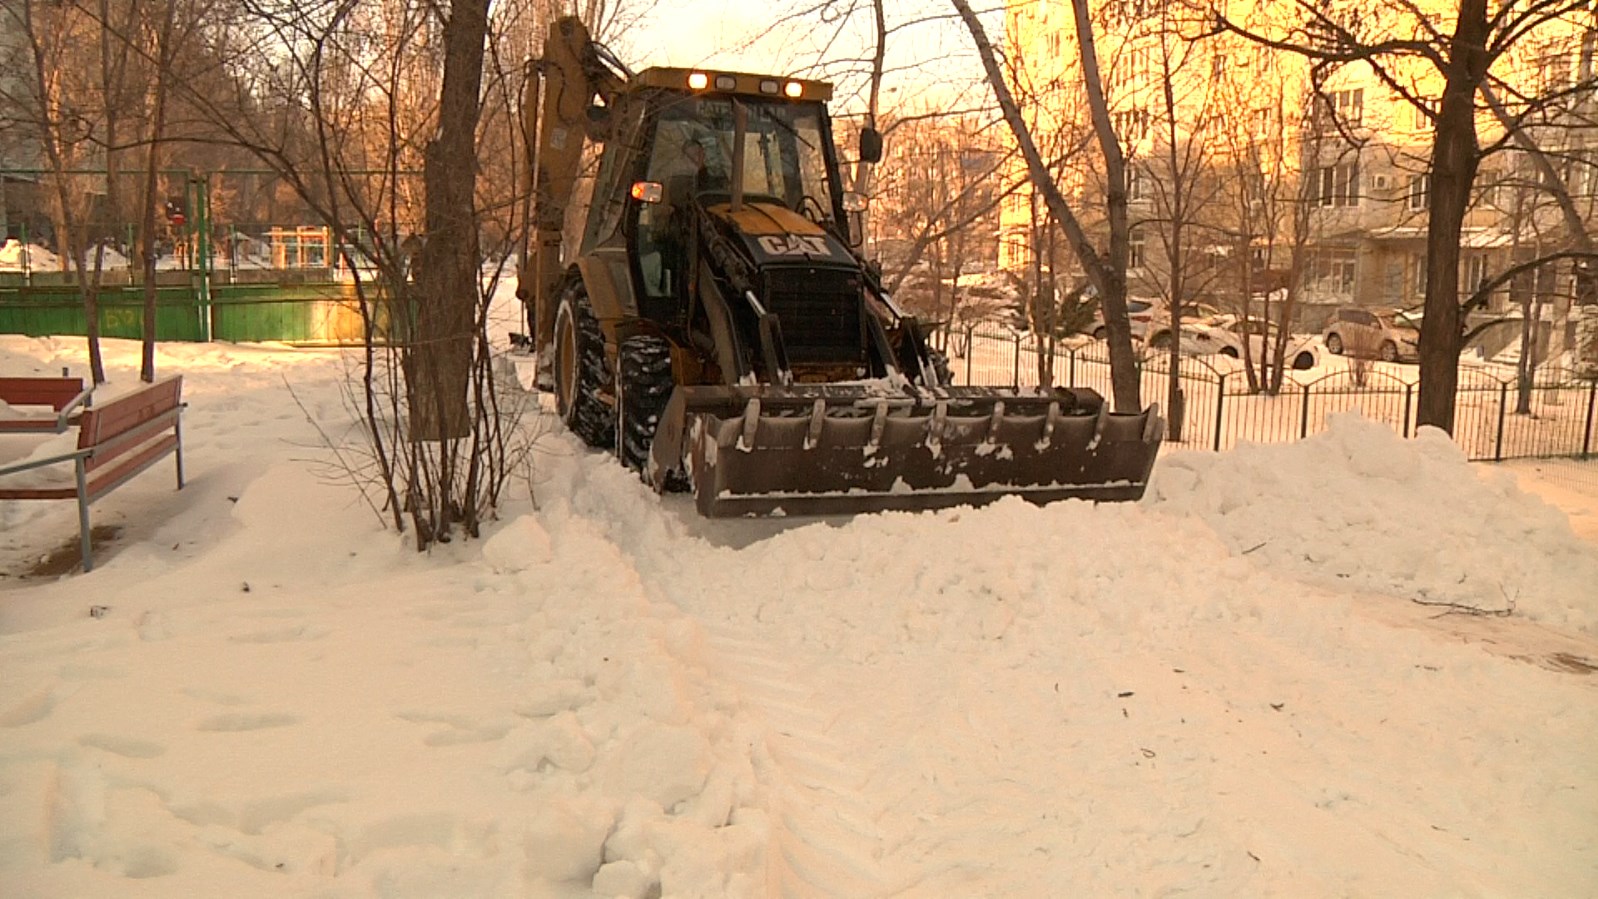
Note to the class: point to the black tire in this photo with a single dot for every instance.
(1304, 361)
(580, 369)
(1160, 341)
(1334, 342)
(643, 386)
(1389, 351)
(1229, 351)
(1100, 333)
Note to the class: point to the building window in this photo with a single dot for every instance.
(1263, 119)
(1555, 70)
(1137, 250)
(1340, 184)
(1136, 184)
(1334, 272)
(1487, 184)
(1417, 282)
(1423, 114)
(1134, 66)
(1348, 107)
(1132, 124)
(1475, 273)
(1420, 191)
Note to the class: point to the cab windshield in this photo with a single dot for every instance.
(783, 158)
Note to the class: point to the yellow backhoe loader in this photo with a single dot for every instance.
(717, 328)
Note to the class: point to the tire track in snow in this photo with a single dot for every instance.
(824, 838)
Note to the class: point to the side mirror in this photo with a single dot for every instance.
(870, 145)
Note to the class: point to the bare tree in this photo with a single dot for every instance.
(1105, 271)
(343, 103)
(1179, 175)
(1388, 39)
(53, 105)
(937, 198)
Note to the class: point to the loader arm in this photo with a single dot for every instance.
(559, 114)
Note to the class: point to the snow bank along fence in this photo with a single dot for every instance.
(235, 261)
(1220, 410)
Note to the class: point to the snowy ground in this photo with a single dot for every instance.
(1230, 688)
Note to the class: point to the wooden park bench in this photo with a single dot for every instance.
(116, 441)
(64, 396)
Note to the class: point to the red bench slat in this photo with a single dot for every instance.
(38, 492)
(53, 392)
(128, 411)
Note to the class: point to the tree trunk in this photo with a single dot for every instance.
(438, 366)
(71, 238)
(863, 169)
(1107, 273)
(1585, 303)
(163, 55)
(1455, 157)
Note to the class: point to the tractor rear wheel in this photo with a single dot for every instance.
(643, 386)
(580, 369)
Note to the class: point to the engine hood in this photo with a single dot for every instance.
(773, 234)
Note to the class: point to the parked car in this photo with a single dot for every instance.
(1226, 335)
(1390, 335)
(1139, 314)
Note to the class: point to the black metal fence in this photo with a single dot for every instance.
(1218, 408)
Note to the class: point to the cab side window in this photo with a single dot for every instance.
(602, 223)
(684, 159)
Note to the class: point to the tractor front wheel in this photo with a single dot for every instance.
(643, 386)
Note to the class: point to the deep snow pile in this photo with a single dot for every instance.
(17, 257)
(1360, 505)
(609, 696)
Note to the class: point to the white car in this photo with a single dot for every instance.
(1139, 314)
(1390, 335)
(1225, 334)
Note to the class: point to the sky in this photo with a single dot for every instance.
(1263, 679)
(932, 62)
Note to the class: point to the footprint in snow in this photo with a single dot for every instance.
(245, 721)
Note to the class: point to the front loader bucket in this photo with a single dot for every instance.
(792, 452)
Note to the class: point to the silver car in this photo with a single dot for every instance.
(1386, 334)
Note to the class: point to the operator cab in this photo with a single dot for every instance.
(726, 141)
(692, 156)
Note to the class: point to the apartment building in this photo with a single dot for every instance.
(18, 150)
(1276, 171)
